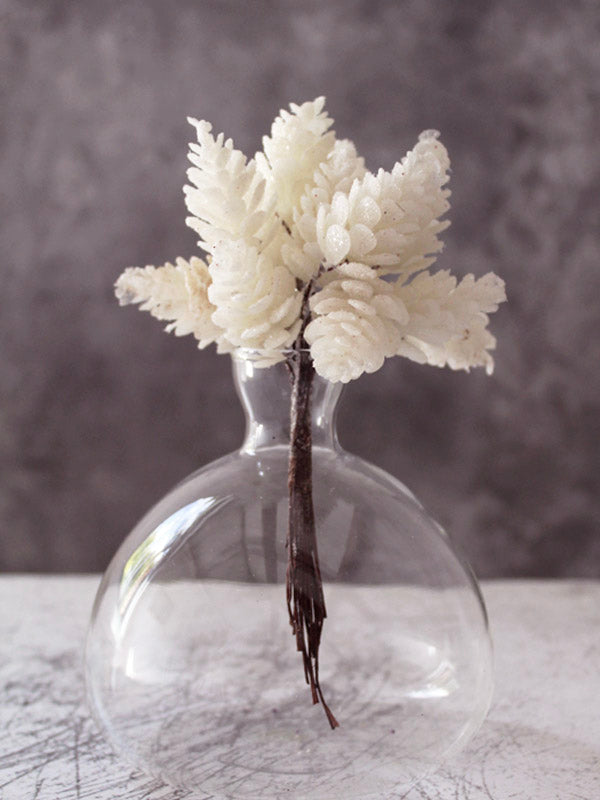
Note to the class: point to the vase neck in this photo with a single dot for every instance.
(265, 393)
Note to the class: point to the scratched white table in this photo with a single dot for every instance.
(541, 740)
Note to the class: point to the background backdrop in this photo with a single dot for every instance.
(101, 412)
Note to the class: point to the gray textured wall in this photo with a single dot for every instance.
(101, 412)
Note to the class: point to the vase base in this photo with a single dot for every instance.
(219, 706)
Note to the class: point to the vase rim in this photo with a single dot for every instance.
(275, 353)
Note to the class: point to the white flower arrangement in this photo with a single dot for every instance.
(312, 259)
(302, 239)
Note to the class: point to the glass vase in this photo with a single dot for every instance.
(191, 665)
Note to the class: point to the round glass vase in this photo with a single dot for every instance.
(191, 665)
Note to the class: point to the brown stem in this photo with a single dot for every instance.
(304, 586)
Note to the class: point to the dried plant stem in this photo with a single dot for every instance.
(304, 586)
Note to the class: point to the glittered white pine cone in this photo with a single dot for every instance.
(391, 219)
(299, 142)
(447, 323)
(302, 253)
(256, 300)
(229, 197)
(176, 293)
(356, 324)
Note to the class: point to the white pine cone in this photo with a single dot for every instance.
(229, 197)
(298, 144)
(391, 219)
(256, 301)
(302, 253)
(356, 323)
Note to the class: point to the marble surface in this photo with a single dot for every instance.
(102, 412)
(541, 740)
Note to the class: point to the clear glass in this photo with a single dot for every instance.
(191, 665)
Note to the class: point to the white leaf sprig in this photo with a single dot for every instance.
(305, 220)
(177, 293)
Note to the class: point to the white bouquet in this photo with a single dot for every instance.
(315, 260)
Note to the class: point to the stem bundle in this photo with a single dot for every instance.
(304, 586)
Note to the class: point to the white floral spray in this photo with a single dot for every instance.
(313, 259)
